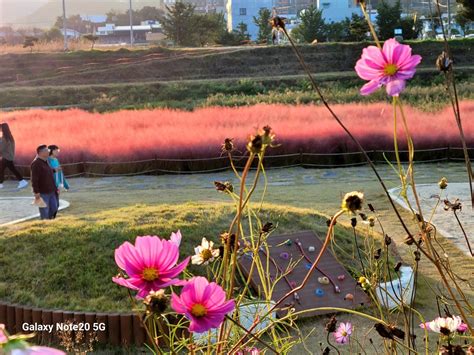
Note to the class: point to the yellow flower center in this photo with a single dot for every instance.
(198, 310)
(149, 274)
(206, 254)
(391, 69)
(344, 333)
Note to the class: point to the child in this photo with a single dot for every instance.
(7, 151)
(61, 182)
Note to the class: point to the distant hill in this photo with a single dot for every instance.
(11, 11)
(46, 14)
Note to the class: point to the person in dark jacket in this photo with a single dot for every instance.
(7, 151)
(44, 185)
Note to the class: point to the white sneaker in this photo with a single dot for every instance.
(22, 184)
(1, 186)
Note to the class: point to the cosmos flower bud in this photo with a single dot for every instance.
(443, 183)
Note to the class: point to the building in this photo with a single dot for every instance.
(238, 11)
(246, 10)
(110, 33)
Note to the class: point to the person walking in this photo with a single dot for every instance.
(44, 186)
(53, 161)
(7, 151)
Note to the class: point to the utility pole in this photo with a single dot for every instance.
(131, 24)
(64, 25)
(449, 19)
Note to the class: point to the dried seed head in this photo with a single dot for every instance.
(331, 325)
(371, 221)
(444, 63)
(352, 201)
(387, 240)
(353, 222)
(417, 255)
(224, 186)
(156, 302)
(267, 136)
(255, 144)
(378, 254)
(228, 145)
(443, 183)
(409, 240)
(268, 227)
(397, 267)
(225, 238)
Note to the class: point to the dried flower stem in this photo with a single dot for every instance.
(351, 136)
(464, 233)
(449, 76)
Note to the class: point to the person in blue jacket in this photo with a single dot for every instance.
(61, 182)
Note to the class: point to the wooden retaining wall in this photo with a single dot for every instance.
(119, 329)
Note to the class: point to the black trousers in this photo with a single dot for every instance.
(10, 165)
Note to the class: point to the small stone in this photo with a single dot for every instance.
(349, 297)
(323, 280)
(311, 249)
(341, 277)
(284, 255)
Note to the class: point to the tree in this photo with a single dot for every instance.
(358, 28)
(312, 25)
(411, 27)
(74, 22)
(263, 24)
(207, 28)
(336, 31)
(242, 32)
(467, 9)
(388, 19)
(30, 42)
(52, 35)
(138, 16)
(178, 24)
(462, 21)
(91, 38)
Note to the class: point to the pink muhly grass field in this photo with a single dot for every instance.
(163, 133)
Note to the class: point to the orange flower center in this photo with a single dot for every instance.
(391, 69)
(344, 333)
(149, 274)
(198, 310)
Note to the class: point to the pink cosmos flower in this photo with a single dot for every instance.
(343, 333)
(176, 238)
(37, 350)
(203, 303)
(150, 264)
(3, 335)
(391, 66)
(462, 328)
(249, 351)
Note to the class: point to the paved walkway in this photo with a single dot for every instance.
(19, 209)
(445, 221)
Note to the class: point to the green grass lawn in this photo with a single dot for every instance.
(69, 263)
